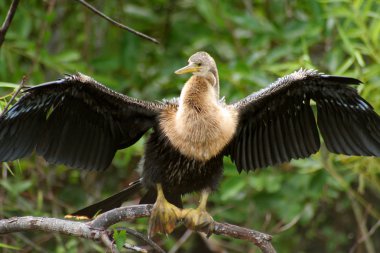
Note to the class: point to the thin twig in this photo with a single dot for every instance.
(21, 85)
(96, 11)
(330, 169)
(143, 238)
(361, 222)
(181, 241)
(134, 248)
(372, 230)
(95, 230)
(8, 20)
(36, 246)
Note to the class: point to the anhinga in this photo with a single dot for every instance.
(78, 122)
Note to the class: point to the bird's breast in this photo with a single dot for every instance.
(199, 135)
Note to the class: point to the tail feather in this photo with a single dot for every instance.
(107, 204)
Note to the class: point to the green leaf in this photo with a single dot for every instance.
(16, 188)
(7, 246)
(8, 85)
(232, 187)
(120, 238)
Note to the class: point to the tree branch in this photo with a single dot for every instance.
(101, 14)
(261, 240)
(97, 229)
(8, 20)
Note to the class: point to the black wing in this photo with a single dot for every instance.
(277, 124)
(74, 121)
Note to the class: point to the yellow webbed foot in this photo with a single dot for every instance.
(164, 216)
(199, 219)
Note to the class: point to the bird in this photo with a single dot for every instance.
(81, 123)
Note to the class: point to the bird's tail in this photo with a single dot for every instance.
(107, 204)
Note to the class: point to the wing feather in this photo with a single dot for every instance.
(267, 143)
(288, 148)
(293, 135)
(244, 148)
(250, 145)
(255, 156)
(260, 146)
(281, 123)
(310, 130)
(302, 141)
(280, 140)
(74, 121)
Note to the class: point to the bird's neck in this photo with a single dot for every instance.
(199, 94)
(201, 126)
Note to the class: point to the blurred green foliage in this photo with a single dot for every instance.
(328, 203)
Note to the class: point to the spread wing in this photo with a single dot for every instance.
(277, 124)
(74, 121)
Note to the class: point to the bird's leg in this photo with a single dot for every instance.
(164, 215)
(199, 218)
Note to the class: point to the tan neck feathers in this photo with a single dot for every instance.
(198, 93)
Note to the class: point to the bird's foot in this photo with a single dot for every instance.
(198, 219)
(164, 217)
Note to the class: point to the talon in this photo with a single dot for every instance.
(164, 215)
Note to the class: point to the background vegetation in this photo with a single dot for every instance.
(328, 203)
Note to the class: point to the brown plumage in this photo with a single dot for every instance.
(81, 123)
(200, 127)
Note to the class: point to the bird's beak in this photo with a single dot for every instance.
(191, 68)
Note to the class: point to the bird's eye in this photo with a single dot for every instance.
(199, 64)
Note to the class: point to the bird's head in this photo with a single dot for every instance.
(200, 64)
